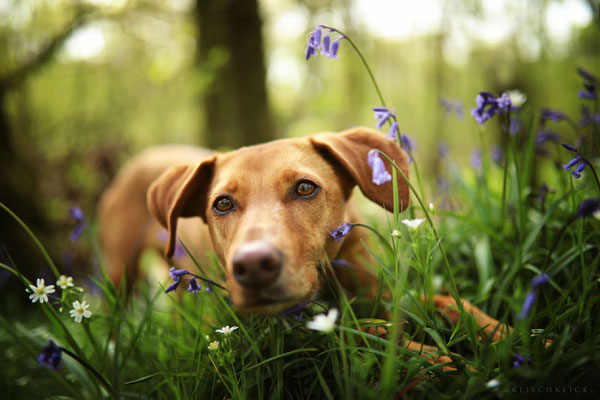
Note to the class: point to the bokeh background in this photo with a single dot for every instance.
(86, 84)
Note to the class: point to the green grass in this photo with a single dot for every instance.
(485, 240)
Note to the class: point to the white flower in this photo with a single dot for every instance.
(431, 207)
(322, 322)
(64, 281)
(517, 98)
(226, 330)
(80, 310)
(396, 233)
(40, 292)
(214, 346)
(492, 384)
(413, 223)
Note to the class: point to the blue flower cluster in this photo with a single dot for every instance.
(536, 283)
(326, 47)
(51, 356)
(489, 105)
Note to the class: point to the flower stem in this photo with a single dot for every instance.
(93, 371)
(383, 240)
(34, 238)
(364, 61)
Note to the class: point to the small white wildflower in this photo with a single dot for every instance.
(80, 310)
(413, 223)
(65, 282)
(226, 330)
(322, 322)
(396, 233)
(596, 214)
(492, 384)
(40, 292)
(517, 98)
(214, 346)
(431, 207)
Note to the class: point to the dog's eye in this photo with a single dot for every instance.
(223, 204)
(305, 188)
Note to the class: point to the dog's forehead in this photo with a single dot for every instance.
(270, 158)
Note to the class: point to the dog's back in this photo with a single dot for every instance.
(126, 227)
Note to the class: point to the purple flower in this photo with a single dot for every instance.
(552, 115)
(540, 280)
(588, 208)
(208, 288)
(393, 131)
(504, 102)
(51, 356)
(497, 154)
(442, 148)
(520, 360)
(527, 305)
(332, 53)
(587, 118)
(543, 137)
(382, 115)
(488, 106)
(586, 75)
(341, 231)
(577, 171)
(570, 148)
(408, 146)
(79, 218)
(296, 311)
(314, 42)
(588, 92)
(380, 174)
(176, 275)
(339, 263)
(450, 106)
(476, 159)
(194, 287)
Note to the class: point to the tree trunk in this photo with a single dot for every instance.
(230, 53)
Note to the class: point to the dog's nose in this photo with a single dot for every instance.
(256, 264)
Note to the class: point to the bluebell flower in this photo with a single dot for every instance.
(176, 275)
(341, 231)
(586, 75)
(442, 149)
(452, 106)
(339, 263)
(79, 218)
(587, 118)
(193, 286)
(393, 131)
(332, 53)
(208, 287)
(314, 42)
(476, 159)
(543, 137)
(296, 311)
(380, 174)
(408, 146)
(552, 115)
(520, 360)
(51, 356)
(588, 208)
(382, 115)
(577, 171)
(497, 154)
(488, 106)
(527, 305)
(588, 92)
(540, 280)
(504, 102)
(515, 123)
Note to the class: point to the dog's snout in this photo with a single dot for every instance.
(256, 264)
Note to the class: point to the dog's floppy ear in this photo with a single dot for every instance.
(180, 192)
(350, 149)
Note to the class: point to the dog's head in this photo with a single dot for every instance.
(270, 208)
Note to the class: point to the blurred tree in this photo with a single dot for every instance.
(230, 52)
(20, 189)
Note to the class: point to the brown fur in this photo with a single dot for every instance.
(182, 184)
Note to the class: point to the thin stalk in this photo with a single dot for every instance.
(34, 238)
(93, 371)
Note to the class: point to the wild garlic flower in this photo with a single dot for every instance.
(322, 322)
(226, 330)
(65, 282)
(40, 292)
(80, 310)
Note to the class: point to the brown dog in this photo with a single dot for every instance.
(268, 210)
